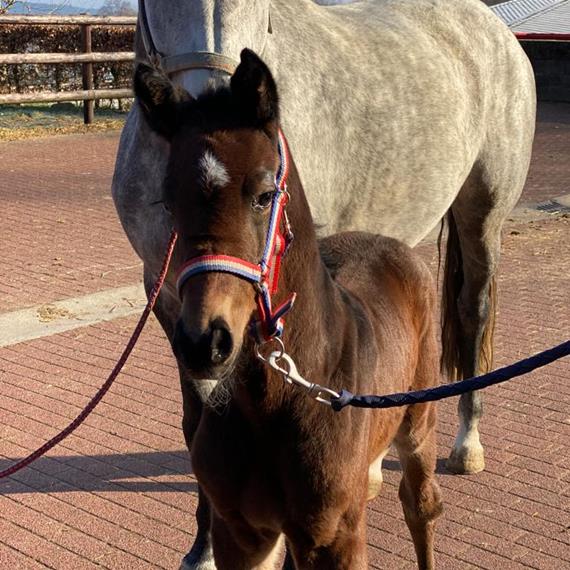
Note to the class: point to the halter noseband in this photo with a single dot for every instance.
(264, 276)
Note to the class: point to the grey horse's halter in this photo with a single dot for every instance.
(184, 61)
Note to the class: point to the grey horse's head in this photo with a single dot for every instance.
(223, 27)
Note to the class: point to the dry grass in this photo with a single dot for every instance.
(27, 122)
(44, 131)
(49, 313)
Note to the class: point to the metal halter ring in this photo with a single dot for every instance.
(258, 347)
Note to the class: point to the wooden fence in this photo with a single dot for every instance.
(87, 58)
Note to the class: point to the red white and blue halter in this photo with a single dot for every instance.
(265, 275)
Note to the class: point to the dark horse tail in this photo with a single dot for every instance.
(451, 333)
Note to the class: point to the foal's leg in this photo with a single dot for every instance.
(375, 478)
(347, 551)
(289, 562)
(244, 548)
(419, 491)
(166, 311)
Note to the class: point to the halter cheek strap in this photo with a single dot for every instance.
(264, 276)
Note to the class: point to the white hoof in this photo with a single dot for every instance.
(466, 460)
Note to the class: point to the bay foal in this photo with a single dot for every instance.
(272, 461)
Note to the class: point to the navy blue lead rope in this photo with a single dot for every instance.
(455, 389)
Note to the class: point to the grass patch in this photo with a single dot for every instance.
(19, 122)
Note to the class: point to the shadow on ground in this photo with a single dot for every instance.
(128, 472)
(394, 465)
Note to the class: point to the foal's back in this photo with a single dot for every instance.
(357, 260)
(397, 292)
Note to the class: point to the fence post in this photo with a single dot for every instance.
(87, 73)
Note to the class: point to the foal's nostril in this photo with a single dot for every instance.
(221, 342)
(200, 350)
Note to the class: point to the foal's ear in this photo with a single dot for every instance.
(159, 99)
(254, 87)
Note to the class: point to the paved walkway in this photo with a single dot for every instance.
(60, 234)
(119, 492)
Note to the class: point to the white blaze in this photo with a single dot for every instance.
(214, 173)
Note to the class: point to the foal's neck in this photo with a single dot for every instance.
(318, 329)
(318, 299)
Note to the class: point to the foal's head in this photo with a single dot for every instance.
(218, 192)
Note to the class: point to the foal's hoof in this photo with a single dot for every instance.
(190, 562)
(466, 460)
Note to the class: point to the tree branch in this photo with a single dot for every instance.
(5, 5)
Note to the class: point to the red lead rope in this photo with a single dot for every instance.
(116, 370)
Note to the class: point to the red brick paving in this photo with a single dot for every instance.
(119, 492)
(60, 233)
(548, 176)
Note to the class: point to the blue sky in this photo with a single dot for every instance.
(89, 3)
(79, 3)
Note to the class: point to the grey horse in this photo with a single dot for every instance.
(396, 111)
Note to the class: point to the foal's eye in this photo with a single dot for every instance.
(263, 201)
(163, 204)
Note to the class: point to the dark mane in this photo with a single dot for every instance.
(212, 110)
(216, 109)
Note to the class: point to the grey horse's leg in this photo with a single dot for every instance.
(201, 556)
(467, 455)
(475, 234)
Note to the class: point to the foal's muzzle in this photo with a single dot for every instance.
(203, 353)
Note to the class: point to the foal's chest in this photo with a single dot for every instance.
(239, 469)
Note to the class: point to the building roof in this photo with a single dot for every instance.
(555, 20)
(514, 12)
